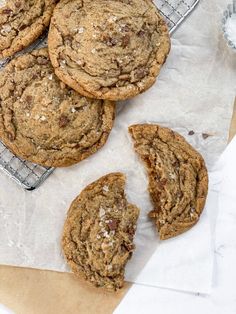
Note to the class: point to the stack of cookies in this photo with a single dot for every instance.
(57, 108)
(57, 104)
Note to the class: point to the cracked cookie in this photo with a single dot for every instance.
(98, 233)
(44, 121)
(22, 22)
(178, 179)
(108, 49)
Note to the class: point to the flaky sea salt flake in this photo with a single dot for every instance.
(81, 30)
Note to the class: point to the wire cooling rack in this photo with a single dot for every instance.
(175, 11)
(29, 175)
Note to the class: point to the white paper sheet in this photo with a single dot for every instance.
(195, 91)
(143, 299)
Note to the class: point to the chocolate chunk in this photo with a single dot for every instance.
(191, 132)
(7, 11)
(113, 224)
(63, 121)
(22, 27)
(125, 41)
(125, 28)
(111, 41)
(140, 73)
(141, 33)
(28, 102)
(41, 60)
(129, 246)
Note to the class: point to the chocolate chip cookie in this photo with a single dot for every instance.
(22, 22)
(178, 180)
(108, 49)
(44, 121)
(98, 232)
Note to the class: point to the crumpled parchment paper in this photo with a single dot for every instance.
(194, 91)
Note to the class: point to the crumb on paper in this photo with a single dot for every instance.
(205, 135)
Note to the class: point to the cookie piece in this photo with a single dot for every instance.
(98, 232)
(178, 179)
(108, 49)
(22, 22)
(44, 121)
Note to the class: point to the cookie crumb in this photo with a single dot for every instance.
(205, 135)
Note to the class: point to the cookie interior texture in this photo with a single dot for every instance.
(44, 121)
(178, 179)
(98, 232)
(108, 49)
(22, 22)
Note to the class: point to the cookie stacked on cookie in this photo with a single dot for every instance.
(104, 50)
(108, 49)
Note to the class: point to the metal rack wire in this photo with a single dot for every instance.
(29, 175)
(175, 11)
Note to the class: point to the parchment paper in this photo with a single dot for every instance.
(195, 91)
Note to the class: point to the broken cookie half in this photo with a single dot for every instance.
(98, 233)
(178, 179)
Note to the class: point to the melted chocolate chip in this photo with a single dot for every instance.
(140, 73)
(63, 121)
(41, 60)
(125, 41)
(7, 11)
(109, 41)
(113, 224)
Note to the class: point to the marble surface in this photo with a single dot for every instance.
(5, 310)
(222, 298)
